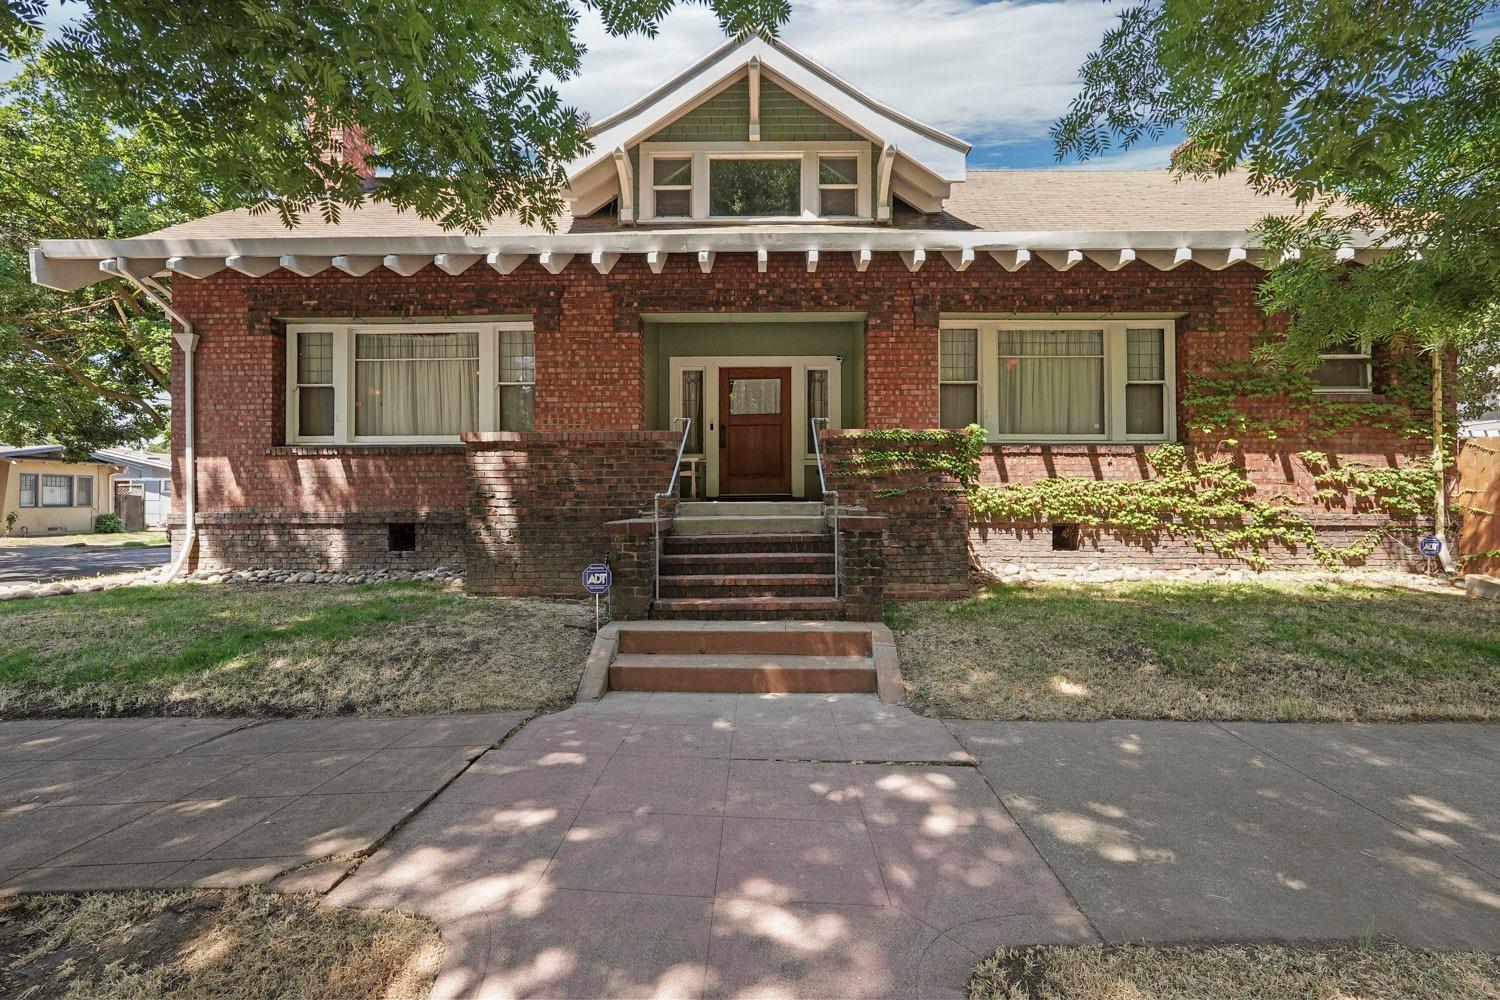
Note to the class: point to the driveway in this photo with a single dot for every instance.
(110, 803)
(45, 563)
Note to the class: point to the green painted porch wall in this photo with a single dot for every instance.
(668, 340)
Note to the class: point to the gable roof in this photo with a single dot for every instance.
(939, 152)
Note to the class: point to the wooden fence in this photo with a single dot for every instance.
(1479, 496)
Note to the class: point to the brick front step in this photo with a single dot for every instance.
(742, 673)
(749, 585)
(810, 639)
(805, 541)
(723, 563)
(746, 608)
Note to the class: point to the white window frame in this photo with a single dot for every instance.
(978, 365)
(859, 192)
(702, 153)
(501, 383)
(1366, 389)
(344, 335)
(649, 177)
(1115, 375)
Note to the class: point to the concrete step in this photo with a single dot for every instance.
(801, 541)
(813, 639)
(748, 585)
(748, 524)
(742, 673)
(746, 608)
(749, 508)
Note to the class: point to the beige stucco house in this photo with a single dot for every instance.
(50, 495)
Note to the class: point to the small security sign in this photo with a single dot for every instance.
(1430, 546)
(597, 579)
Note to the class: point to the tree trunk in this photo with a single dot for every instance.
(1439, 467)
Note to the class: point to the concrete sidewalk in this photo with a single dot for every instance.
(1169, 831)
(719, 845)
(117, 803)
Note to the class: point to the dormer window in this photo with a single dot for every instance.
(760, 181)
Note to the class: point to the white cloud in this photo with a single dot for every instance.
(988, 72)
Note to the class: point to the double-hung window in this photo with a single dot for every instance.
(28, 489)
(738, 181)
(1344, 370)
(407, 383)
(1058, 380)
(84, 495)
(958, 377)
(57, 491)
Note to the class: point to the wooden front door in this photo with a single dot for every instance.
(755, 431)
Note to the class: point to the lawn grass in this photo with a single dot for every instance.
(195, 945)
(1274, 651)
(119, 540)
(1374, 971)
(188, 649)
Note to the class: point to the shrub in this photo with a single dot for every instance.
(108, 524)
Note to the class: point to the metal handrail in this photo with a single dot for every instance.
(838, 560)
(670, 492)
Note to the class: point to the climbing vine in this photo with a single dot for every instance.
(1266, 399)
(1206, 500)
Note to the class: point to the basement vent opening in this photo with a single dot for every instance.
(401, 537)
(1065, 537)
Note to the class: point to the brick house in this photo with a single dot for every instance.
(753, 245)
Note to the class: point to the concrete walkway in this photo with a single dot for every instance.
(115, 803)
(1169, 831)
(719, 845)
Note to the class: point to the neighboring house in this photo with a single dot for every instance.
(142, 490)
(51, 495)
(752, 245)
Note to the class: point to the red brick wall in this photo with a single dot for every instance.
(538, 503)
(591, 365)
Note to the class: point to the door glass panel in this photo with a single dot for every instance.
(817, 400)
(692, 408)
(750, 396)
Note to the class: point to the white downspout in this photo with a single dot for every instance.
(187, 341)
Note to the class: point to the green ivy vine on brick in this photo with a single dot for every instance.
(1207, 501)
(1227, 403)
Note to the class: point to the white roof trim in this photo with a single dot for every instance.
(940, 153)
(67, 265)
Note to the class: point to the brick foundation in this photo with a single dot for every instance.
(538, 503)
(324, 541)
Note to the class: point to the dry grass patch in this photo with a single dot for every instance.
(196, 945)
(288, 650)
(1255, 651)
(1236, 972)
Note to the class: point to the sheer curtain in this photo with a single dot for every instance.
(416, 384)
(1052, 382)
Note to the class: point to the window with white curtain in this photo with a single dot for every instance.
(408, 383)
(1059, 380)
(28, 489)
(57, 491)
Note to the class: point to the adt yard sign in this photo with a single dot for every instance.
(597, 579)
(1430, 546)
